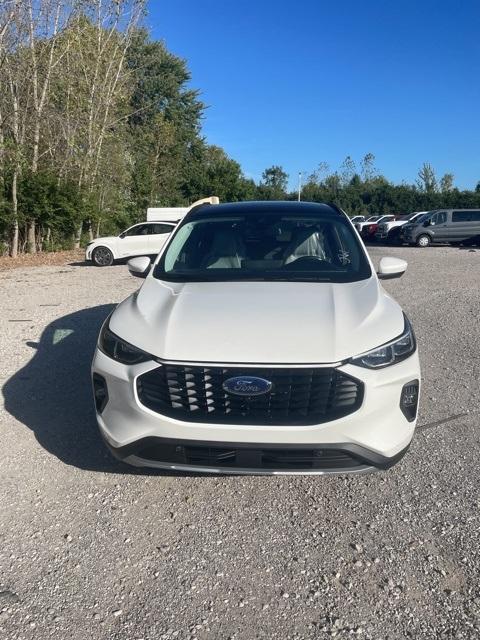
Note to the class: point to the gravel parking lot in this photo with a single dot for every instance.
(90, 548)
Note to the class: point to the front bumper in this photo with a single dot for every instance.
(260, 459)
(378, 431)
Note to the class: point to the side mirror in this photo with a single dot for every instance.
(427, 223)
(122, 235)
(391, 268)
(139, 267)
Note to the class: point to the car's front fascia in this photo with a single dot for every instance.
(374, 436)
(408, 232)
(108, 241)
(377, 434)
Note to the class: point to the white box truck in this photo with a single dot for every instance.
(175, 214)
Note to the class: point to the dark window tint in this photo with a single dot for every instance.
(160, 228)
(475, 216)
(439, 218)
(461, 216)
(138, 230)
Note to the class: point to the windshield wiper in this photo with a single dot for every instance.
(177, 277)
(290, 278)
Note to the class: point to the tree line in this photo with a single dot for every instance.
(98, 122)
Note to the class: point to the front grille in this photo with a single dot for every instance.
(252, 457)
(299, 396)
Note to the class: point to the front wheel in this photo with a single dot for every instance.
(102, 257)
(423, 240)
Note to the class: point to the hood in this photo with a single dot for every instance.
(258, 322)
(103, 240)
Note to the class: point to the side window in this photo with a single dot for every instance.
(439, 218)
(461, 216)
(475, 216)
(138, 230)
(161, 228)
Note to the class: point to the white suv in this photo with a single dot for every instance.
(260, 342)
(144, 239)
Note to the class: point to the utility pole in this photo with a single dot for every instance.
(299, 185)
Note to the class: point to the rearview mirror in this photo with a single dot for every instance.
(139, 267)
(391, 268)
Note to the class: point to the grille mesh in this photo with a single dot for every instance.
(299, 396)
(252, 457)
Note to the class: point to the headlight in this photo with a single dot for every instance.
(390, 353)
(118, 349)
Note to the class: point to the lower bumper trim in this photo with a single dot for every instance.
(140, 462)
(252, 458)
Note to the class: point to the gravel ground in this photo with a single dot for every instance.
(92, 548)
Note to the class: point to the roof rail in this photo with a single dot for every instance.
(209, 200)
(202, 202)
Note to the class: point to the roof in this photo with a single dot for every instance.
(265, 207)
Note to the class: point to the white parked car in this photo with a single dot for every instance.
(390, 230)
(368, 228)
(359, 225)
(260, 342)
(144, 239)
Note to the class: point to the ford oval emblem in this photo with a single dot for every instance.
(247, 386)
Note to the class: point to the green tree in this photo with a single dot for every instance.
(217, 174)
(427, 180)
(164, 126)
(274, 184)
(446, 183)
(347, 170)
(367, 170)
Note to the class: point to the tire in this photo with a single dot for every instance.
(423, 241)
(102, 257)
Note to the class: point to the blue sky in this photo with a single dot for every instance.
(299, 83)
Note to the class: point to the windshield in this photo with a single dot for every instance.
(421, 219)
(264, 247)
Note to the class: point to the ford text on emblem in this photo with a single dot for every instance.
(247, 386)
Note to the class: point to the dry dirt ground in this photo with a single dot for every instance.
(90, 548)
(41, 259)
